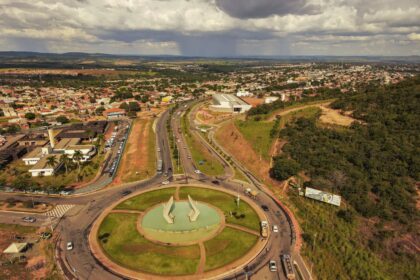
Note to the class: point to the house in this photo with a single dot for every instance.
(42, 168)
(270, 99)
(243, 93)
(114, 113)
(16, 248)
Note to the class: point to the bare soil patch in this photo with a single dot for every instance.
(331, 116)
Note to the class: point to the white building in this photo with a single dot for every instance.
(42, 168)
(229, 103)
(243, 93)
(87, 151)
(270, 99)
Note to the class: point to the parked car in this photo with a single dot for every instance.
(275, 228)
(165, 182)
(272, 265)
(197, 171)
(215, 182)
(69, 246)
(29, 219)
(45, 235)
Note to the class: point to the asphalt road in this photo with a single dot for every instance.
(75, 225)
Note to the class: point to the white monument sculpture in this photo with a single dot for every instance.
(167, 209)
(193, 215)
(169, 206)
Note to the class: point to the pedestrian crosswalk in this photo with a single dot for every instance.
(59, 210)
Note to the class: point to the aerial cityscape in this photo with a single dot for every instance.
(210, 139)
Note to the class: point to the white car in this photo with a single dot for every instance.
(69, 246)
(272, 265)
(197, 171)
(165, 182)
(275, 228)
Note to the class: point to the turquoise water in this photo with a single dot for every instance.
(209, 217)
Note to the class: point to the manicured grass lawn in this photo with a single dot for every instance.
(228, 246)
(210, 165)
(122, 243)
(146, 200)
(226, 203)
(257, 133)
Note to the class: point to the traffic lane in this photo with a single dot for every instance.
(7, 217)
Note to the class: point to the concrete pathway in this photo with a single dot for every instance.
(242, 228)
(126, 211)
(202, 263)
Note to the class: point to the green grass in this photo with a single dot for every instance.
(239, 175)
(257, 133)
(314, 103)
(146, 200)
(18, 228)
(226, 203)
(228, 246)
(199, 153)
(309, 112)
(123, 244)
(338, 246)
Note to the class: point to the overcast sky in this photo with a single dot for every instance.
(212, 27)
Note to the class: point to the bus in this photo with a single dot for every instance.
(286, 261)
(159, 166)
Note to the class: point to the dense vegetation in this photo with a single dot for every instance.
(374, 165)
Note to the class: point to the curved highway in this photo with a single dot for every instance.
(79, 263)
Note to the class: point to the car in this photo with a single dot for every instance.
(45, 235)
(165, 182)
(29, 219)
(215, 182)
(197, 171)
(272, 265)
(166, 174)
(69, 246)
(275, 228)
(158, 149)
(189, 157)
(265, 208)
(124, 193)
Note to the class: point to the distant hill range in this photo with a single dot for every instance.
(79, 59)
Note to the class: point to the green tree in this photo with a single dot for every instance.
(30, 116)
(62, 119)
(284, 168)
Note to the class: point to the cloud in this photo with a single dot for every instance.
(212, 27)
(264, 8)
(414, 36)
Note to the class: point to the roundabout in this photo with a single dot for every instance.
(185, 232)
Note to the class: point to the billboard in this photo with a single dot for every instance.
(323, 196)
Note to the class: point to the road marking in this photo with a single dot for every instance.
(59, 210)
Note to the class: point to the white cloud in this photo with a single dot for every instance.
(147, 25)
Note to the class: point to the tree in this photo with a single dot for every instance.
(77, 157)
(284, 168)
(62, 119)
(99, 111)
(30, 116)
(66, 161)
(52, 161)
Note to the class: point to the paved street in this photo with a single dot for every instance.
(77, 214)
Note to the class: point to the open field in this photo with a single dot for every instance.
(139, 159)
(227, 204)
(330, 116)
(39, 264)
(297, 107)
(258, 135)
(122, 243)
(203, 159)
(147, 200)
(228, 246)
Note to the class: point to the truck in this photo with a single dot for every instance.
(264, 229)
(159, 166)
(286, 261)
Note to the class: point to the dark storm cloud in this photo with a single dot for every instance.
(264, 8)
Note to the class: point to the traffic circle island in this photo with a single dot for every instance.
(185, 232)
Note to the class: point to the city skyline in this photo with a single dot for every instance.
(213, 28)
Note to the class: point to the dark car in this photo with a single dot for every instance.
(124, 193)
(215, 182)
(265, 208)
